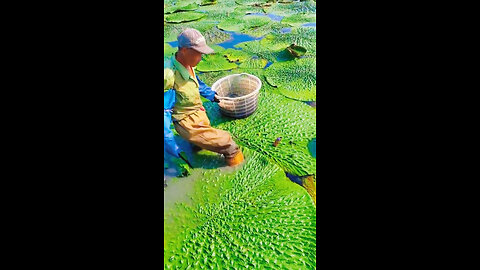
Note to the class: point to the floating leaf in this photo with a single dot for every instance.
(208, 2)
(291, 9)
(181, 7)
(275, 117)
(296, 51)
(232, 228)
(295, 79)
(168, 50)
(184, 17)
(254, 64)
(244, 23)
(236, 55)
(215, 62)
(299, 19)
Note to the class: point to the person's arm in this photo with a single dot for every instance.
(168, 79)
(206, 91)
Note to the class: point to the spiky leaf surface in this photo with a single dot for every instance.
(253, 64)
(302, 36)
(243, 23)
(295, 79)
(215, 62)
(275, 117)
(254, 217)
(291, 9)
(299, 19)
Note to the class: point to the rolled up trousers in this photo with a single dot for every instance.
(196, 129)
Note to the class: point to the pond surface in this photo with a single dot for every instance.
(274, 17)
(236, 38)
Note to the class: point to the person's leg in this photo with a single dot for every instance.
(196, 129)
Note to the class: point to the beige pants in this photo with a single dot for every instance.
(196, 129)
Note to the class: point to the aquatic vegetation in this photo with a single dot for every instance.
(180, 7)
(180, 17)
(253, 64)
(296, 51)
(236, 55)
(251, 2)
(215, 62)
(254, 217)
(292, 9)
(296, 79)
(243, 23)
(243, 10)
(256, 48)
(168, 50)
(275, 117)
(301, 36)
(299, 19)
(213, 35)
(208, 2)
(219, 12)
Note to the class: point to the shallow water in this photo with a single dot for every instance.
(313, 24)
(236, 38)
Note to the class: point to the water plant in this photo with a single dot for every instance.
(215, 62)
(180, 17)
(254, 217)
(295, 79)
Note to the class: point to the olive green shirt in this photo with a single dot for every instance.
(187, 94)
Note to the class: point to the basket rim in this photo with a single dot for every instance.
(242, 97)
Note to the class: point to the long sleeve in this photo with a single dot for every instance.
(205, 90)
(168, 140)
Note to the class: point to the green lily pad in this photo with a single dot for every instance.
(236, 55)
(168, 50)
(292, 9)
(208, 2)
(253, 217)
(181, 7)
(299, 19)
(246, 22)
(296, 51)
(180, 17)
(253, 64)
(300, 36)
(276, 116)
(213, 35)
(296, 79)
(215, 62)
(251, 2)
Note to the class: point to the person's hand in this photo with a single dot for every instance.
(215, 99)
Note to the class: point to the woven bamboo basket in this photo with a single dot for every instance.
(238, 94)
